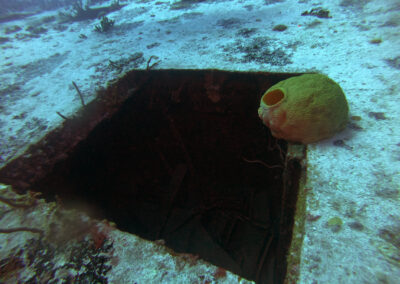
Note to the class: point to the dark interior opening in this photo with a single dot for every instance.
(186, 159)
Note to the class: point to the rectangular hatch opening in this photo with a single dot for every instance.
(182, 156)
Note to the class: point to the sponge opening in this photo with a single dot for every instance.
(273, 97)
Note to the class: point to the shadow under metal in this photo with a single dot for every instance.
(178, 155)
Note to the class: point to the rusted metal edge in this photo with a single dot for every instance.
(294, 199)
(39, 158)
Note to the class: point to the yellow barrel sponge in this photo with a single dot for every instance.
(304, 109)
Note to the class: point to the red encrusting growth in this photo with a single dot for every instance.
(98, 236)
(220, 273)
